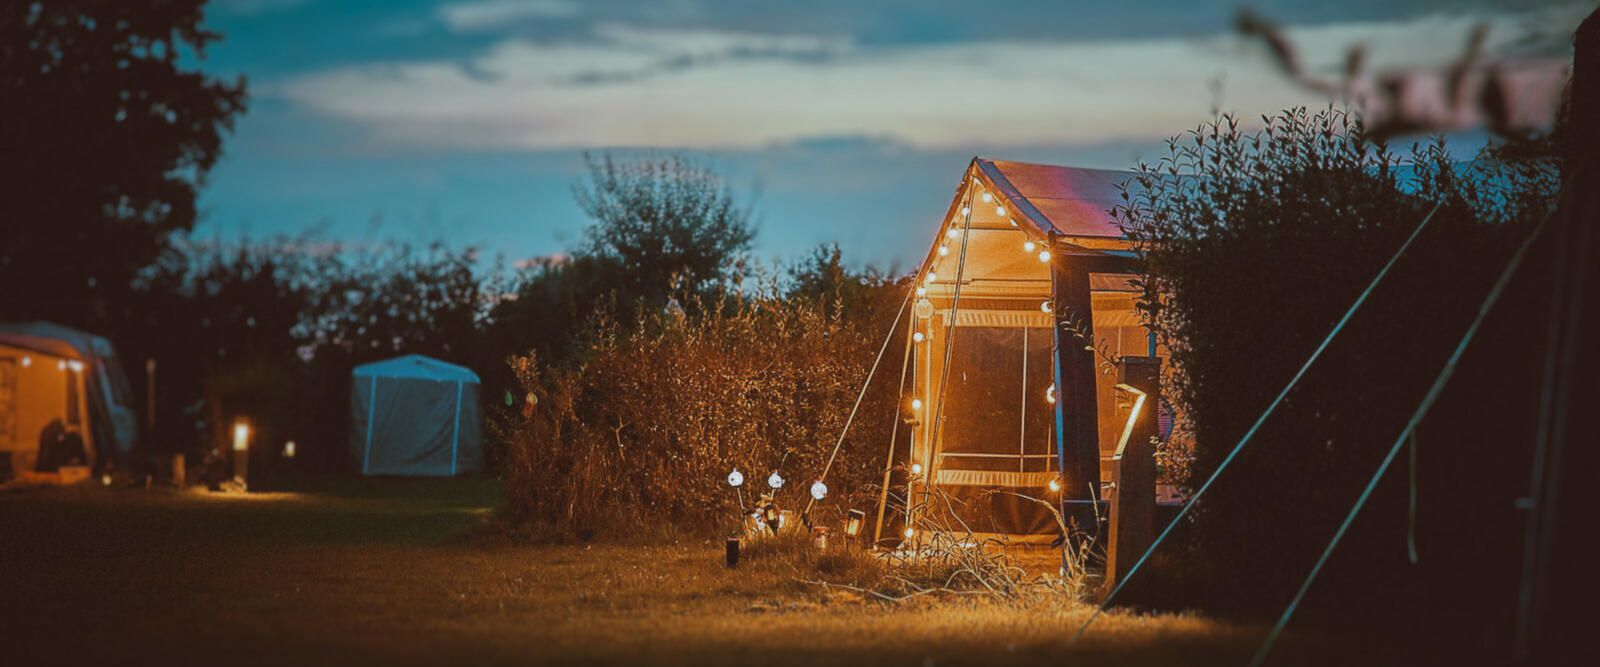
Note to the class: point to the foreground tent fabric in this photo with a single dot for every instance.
(414, 415)
(61, 386)
(1024, 311)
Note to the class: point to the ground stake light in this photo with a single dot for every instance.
(819, 490)
(853, 522)
(775, 481)
(735, 478)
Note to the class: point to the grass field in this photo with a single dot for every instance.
(377, 572)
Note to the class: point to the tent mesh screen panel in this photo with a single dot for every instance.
(996, 439)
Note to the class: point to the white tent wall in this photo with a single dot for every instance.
(415, 426)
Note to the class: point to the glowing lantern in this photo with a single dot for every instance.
(241, 436)
(735, 478)
(853, 522)
(288, 449)
(775, 481)
(819, 490)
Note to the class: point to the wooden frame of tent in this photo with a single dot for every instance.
(1025, 297)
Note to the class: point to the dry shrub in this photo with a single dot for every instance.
(644, 431)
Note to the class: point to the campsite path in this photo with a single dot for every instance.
(366, 572)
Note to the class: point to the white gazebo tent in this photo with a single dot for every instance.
(415, 416)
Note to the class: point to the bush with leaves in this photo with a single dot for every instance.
(1254, 245)
(647, 426)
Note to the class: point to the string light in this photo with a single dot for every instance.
(1000, 211)
(932, 277)
(922, 291)
(1055, 486)
(916, 404)
(1013, 222)
(952, 233)
(1050, 395)
(1046, 307)
(987, 198)
(1044, 256)
(916, 468)
(944, 250)
(966, 211)
(910, 532)
(1029, 246)
(819, 490)
(918, 336)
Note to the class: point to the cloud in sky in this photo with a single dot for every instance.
(490, 15)
(721, 89)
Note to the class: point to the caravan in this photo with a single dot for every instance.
(64, 400)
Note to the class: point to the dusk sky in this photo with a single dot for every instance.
(464, 121)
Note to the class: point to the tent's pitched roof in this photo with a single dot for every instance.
(54, 339)
(1072, 201)
(417, 366)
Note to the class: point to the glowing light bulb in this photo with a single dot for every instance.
(922, 291)
(1000, 211)
(918, 336)
(932, 277)
(1044, 256)
(944, 250)
(966, 211)
(775, 481)
(952, 233)
(916, 404)
(916, 468)
(910, 532)
(1029, 246)
(27, 361)
(1050, 395)
(735, 478)
(1046, 307)
(1055, 485)
(819, 490)
(987, 198)
(1013, 222)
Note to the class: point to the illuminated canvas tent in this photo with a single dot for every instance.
(415, 416)
(68, 383)
(1007, 402)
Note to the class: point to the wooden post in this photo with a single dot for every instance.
(1077, 412)
(1133, 510)
(1547, 634)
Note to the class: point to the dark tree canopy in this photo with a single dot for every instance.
(665, 223)
(107, 138)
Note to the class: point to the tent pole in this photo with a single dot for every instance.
(372, 407)
(455, 441)
(894, 433)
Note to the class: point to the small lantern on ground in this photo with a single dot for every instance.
(853, 520)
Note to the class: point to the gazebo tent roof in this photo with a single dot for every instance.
(1071, 201)
(418, 367)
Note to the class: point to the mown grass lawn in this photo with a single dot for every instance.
(375, 572)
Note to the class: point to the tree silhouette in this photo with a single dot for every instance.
(107, 139)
